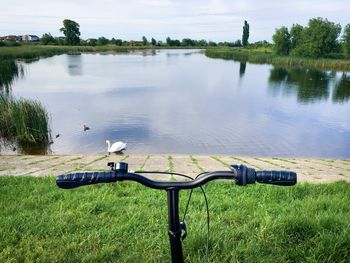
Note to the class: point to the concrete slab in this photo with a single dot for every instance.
(157, 163)
(308, 170)
(210, 164)
(184, 164)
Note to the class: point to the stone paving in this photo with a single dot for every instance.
(308, 170)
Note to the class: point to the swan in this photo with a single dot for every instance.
(115, 147)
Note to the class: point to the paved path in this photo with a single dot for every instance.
(309, 170)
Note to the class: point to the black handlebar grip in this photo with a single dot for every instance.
(284, 178)
(73, 180)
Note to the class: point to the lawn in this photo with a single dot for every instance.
(126, 222)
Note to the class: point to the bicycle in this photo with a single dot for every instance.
(177, 231)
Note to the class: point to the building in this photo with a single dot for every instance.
(30, 38)
(27, 38)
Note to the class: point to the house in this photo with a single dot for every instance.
(30, 38)
(10, 38)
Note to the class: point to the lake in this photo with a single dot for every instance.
(180, 101)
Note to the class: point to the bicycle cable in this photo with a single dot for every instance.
(188, 202)
(208, 218)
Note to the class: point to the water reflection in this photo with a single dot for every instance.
(18, 115)
(9, 72)
(242, 67)
(75, 66)
(341, 92)
(309, 85)
(180, 101)
(13, 147)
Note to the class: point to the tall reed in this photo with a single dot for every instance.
(24, 121)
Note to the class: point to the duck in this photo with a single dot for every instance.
(115, 147)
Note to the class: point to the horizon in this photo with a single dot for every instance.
(215, 20)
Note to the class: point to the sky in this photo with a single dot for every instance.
(214, 20)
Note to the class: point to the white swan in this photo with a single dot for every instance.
(115, 147)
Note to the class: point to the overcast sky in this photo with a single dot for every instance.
(217, 20)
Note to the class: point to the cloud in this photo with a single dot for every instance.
(219, 20)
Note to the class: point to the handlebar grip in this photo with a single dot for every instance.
(284, 178)
(73, 180)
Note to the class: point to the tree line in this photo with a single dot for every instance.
(71, 31)
(320, 38)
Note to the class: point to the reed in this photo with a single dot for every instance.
(266, 56)
(37, 51)
(23, 121)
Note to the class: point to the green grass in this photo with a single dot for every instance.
(126, 222)
(267, 56)
(37, 51)
(24, 121)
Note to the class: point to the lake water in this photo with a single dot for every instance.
(180, 101)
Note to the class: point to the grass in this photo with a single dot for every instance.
(170, 164)
(216, 158)
(195, 162)
(126, 222)
(37, 51)
(267, 56)
(24, 121)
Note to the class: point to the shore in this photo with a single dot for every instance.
(266, 56)
(308, 170)
(252, 55)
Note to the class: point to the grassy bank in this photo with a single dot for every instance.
(114, 223)
(23, 121)
(267, 56)
(36, 51)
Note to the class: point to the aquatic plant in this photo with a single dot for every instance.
(24, 121)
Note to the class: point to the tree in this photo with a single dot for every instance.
(238, 43)
(319, 38)
(245, 35)
(296, 34)
(144, 41)
(71, 31)
(346, 40)
(187, 42)
(92, 42)
(282, 41)
(101, 41)
(202, 43)
(47, 38)
(118, 42)
(153, 41)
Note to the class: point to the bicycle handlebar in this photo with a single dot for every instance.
(73, 180)
(246, 175)
(240, 173)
